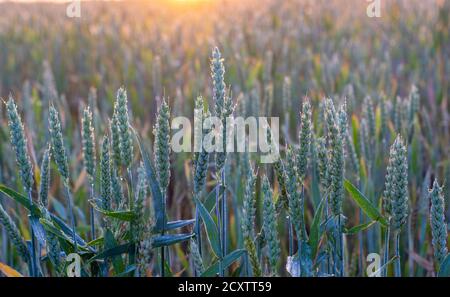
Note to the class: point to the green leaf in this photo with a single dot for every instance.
(168, 270)
(359, 228)
(68, 231)
(59, 209)
(109, 243)
(38, 229)
(444, 270)
(314, 235)
(178, 224)
(35, 210)
(169, 239)
(210, 201)
(50, 227)
(211, 228)
(123, 215)
(367, 207)
(97, 241)
(227, 261)
(158, 204)
(315, 188)
(117, 250)
(65, 240)
(21, 199)
(127, 271)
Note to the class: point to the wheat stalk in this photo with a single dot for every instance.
(438, 224)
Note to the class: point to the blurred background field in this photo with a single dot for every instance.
(163, 48)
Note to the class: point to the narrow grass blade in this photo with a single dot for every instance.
(359, 228)
(179, 224)
(123, 215)
(158, 203)
(95, 242)
(169, 239)
(211, 228)
(110, 243)
(21, 199)
(367, 207)
(227, 261)
(38, 230)
(117, 250)
(127, 271)
(50, 227)
(314, 235)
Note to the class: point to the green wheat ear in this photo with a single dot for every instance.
(219, 87)
(253, 255)
(304, 139)
(145, 250)
(52, 242)
(162, 145)
(396, 185)
(343, 126)
(59, 152)
(369, 114)
(139, 205)
(336, 162)
(115, 141)
(270, 226)
(322, 155)
(249, 203)
(294, 199)
(117, 189)
(88, 142)
(196, 258)
(126, 142)
(222, 103)
(438, 224)
(249, 215)
(280, 171)
(19, 143)
(14, 234)
(105, 171)
(201, 158)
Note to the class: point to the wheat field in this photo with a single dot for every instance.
(88, 173)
